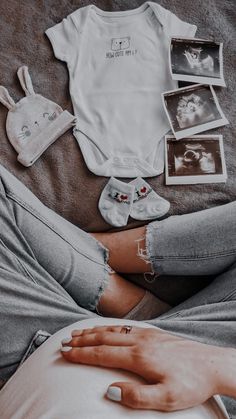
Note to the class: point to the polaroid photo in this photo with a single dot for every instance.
(193, 109)
(197, 61)
(196, 159)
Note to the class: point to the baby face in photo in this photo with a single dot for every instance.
(189, 108)
(197, 63)
(195, 160)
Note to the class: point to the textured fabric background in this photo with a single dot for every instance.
(60, 177)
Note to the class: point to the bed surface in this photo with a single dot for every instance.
(60, 177)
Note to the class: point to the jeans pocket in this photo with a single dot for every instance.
(230, 297)
(38, 339)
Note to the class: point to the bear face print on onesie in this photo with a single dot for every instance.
(118, 68)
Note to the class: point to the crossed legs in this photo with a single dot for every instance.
(50, 269)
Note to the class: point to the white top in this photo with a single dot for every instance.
(48, 387)
(118, 68)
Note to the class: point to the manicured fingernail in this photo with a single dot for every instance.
(66, 348)
(114, 393)
(76, 332)
(65, 341)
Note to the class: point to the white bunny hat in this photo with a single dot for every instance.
(34, 122)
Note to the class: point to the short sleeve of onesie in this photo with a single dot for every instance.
(63, 37)
(174, 26)
(177, 27)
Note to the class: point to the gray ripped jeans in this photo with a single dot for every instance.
(52, 273)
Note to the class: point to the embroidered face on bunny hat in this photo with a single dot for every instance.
(34, 122)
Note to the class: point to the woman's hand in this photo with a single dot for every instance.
(180, 373)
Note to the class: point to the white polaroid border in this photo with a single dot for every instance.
(186, 132)
(216, 81)
(196, 179)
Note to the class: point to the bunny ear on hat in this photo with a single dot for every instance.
(25, 80)
(6, 99)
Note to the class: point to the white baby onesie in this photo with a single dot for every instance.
(118, 67)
